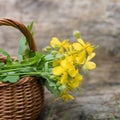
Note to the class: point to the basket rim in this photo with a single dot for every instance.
(21, 81)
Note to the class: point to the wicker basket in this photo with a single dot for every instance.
(22, 100)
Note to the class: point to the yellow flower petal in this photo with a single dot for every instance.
(57, 70)
(64, 78)
(67, 97)
(91, 56)
(65, 64)
(81, 57)
(89, 65)
(89, 48)
(72, 72)
(56, 63)
(65, 44)
(77, 46)
(81, 42)
(74, 83)
(71, 48)
(61, 50)
(55, 42)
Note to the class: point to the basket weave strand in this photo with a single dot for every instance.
(24, 99)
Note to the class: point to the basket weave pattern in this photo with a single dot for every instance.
(24, 99)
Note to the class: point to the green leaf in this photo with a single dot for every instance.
(2, 64)
(1, 78)
(49, 57)
(29, 27)
(52, 87)
(23, 49)
(11, 79)
(46, 67)
(37, 59)
(9, 60)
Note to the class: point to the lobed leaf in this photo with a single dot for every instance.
(11, 79)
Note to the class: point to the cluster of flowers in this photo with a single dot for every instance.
(70, 60)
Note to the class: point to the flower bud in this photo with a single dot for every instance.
(54, 52)
(52, 77)
(47, 48)
(76, 34)
(62, 87)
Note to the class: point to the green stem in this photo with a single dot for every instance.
(29, 74)
(11, 70)
(41, 74)
(19, 65)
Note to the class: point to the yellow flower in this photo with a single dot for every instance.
(62, 65)
(88, 64)
(66, 63)
(87, 46)
(91, 56)
(81, 41)
(64, 78)
(55, 42)
(67, 60)
(76, 81)
(70, 48)
(77, 46)
(61, 50)
(72, 71)
(67, 97)
(80, 58)
(58, 70)
(56, 63)
(65, 44)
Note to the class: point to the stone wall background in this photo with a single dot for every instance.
(97, 20)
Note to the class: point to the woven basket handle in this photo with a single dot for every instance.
(23, 29)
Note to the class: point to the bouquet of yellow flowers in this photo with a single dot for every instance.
(67, 61)
(60, 66)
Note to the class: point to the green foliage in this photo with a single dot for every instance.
(51, 86)
(23, 49)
